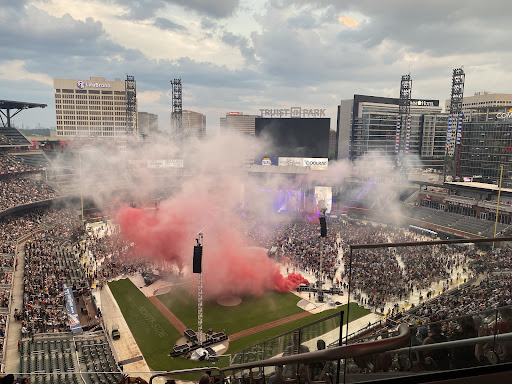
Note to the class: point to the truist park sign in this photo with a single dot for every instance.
(292, 112)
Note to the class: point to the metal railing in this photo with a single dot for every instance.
(332, 354)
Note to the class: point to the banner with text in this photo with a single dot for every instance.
(294, 161)
(74, 321)
(165, 163)
(315, 163)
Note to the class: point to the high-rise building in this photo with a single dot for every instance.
(332, 142)
(486, 138)
(487, 145)
(238, 122)
(147, 123)
(91, 108)
(193, 123)
(483, 101)
(369, 124)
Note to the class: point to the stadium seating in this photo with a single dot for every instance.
(35, 160)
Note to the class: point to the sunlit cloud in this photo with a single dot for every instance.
(148, 97)
(348, 21)
(15, 70)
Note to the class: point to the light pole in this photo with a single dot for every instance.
(197, 267)
(323, 234)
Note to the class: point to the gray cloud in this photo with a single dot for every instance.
(141, 9)
(167, 24)
(242, 43)
(303, 20)
(215, 8)
(438, 27)
(207, 23)
(300, 53)
(145, 9)
(36, 33)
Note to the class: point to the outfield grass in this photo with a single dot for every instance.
(156, 336)
(251, 312)
(355, 313)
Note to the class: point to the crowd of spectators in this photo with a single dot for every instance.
(407, 269)
(299, 243)
(492, 292)
(5, 278)
(46, 272)
(20, 190)
(113, 255)
(494, 260)
(429, 264)
(11, 164)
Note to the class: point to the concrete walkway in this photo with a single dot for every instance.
(125, 348)
(12, 356)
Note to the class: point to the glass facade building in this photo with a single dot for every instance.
(486, 145)
(368, 124)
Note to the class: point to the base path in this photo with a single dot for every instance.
(180, 327)
(264, 327)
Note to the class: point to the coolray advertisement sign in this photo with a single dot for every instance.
(315, 163)
(166, 163)
(266, 160)
(504, 115)
(323, 194)
(74, 321)
(293, 161)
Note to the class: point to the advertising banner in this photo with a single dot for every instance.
(165, 163)
(74, 321)
(397, 134)
(267, 160)
(408, 134)
(449, 131)
(295, 161)
(459, 129)
(315, 163)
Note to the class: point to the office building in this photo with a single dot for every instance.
(147, 123)
(193, 123)
(486, 145)
(484, 101)
(238, 122)
(92, 108)
(369, 124)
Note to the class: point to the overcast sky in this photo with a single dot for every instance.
(243, 55)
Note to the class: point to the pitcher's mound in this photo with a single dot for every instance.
(229, 301)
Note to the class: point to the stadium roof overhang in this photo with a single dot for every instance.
(8, 105)
(478, 187)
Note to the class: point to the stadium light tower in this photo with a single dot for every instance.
(197, 267)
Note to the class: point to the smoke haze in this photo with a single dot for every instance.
(208, 194)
